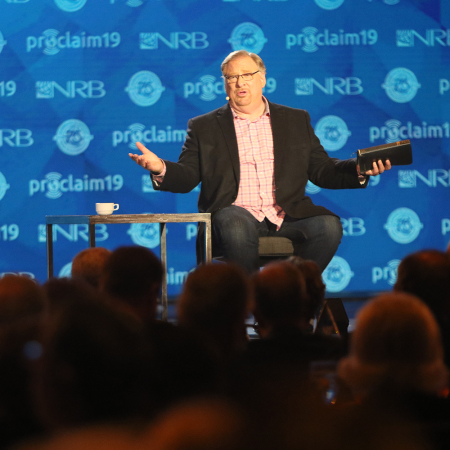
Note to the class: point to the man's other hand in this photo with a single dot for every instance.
(377, 168)
(148, 160)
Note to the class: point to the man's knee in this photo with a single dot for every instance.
(334, 227)
(233, 221)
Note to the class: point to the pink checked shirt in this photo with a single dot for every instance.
(257, 182)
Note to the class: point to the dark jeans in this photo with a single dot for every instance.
(235, 236)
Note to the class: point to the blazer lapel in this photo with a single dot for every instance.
(225, 118)
(279, 133)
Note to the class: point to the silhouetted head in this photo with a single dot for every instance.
(214, 303)
(426, 274)
(201, 424)
(280, 296)
(133, 275)
(315, 287)
(95, 366)
(20, 297)
(396, 344)
(61, 291)
(88, 264)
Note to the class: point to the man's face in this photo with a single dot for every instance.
(245, 96)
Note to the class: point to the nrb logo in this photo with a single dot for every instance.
(16, 138)
(403, 225)
(73, 137)
(73, 232)
(332, 132)
(343, 86)
(197, 40)
(401, 85)
(406, 38)
(409, 178)
(145, 88)
(353, 226)
(337, 274)
(70, 5)
(80, 88)
(247, 36)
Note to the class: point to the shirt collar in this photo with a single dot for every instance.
(265, 113)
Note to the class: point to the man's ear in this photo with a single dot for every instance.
(263, 78)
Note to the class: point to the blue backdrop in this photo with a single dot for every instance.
(82, 80)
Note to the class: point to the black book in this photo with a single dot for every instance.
(398, 153)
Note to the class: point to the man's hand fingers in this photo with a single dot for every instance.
(135, 158)
(142, 148)
(138, 159)
(375, 169)
(148, 160)
(380, 166)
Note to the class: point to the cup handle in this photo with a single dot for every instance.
(116, 207)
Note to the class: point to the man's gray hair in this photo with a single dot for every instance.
(239, 54)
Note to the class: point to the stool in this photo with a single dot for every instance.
(272, 248)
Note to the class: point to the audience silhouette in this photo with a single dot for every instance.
(88, 264)
(426, 274)
(133, 276)
(85, 362)
(214, 305)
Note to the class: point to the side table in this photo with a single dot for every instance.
(203, 218)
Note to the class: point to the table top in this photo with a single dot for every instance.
(128, 218)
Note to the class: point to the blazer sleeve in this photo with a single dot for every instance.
(184, 175)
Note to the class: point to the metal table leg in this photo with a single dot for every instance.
(49, 250)
(164, 300)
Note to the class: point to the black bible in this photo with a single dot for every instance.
(398, 153)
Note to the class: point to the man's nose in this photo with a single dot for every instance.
(240, 81)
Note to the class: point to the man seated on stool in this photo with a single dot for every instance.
(254, 158)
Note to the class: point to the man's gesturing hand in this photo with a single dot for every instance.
(148, 160)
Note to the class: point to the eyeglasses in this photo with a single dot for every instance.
(234, 78)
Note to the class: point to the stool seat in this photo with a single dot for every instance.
(275, 246)
(272, 248)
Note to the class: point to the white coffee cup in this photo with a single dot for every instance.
(106, 208)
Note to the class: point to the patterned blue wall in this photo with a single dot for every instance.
(82, 80)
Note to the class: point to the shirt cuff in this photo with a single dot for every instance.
(159, 178)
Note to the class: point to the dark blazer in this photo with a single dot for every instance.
(210, 156)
